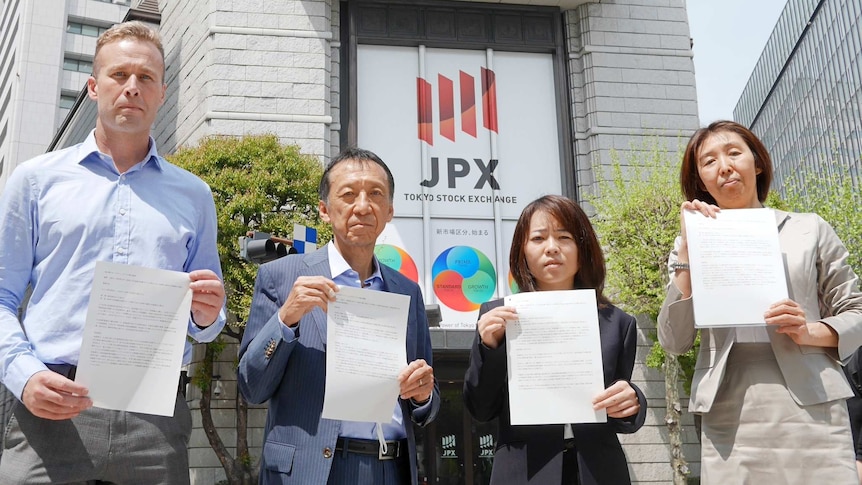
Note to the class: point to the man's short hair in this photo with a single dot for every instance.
(360, 156)
(135, 30)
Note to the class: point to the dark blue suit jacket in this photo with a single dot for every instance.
(534, 454)
(292, 377)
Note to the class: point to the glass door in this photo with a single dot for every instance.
(455, 449)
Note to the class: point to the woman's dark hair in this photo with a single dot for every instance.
(591, 261)
(689, 179)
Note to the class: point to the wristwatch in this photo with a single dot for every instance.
(679, 266)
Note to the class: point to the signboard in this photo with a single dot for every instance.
(471, 137)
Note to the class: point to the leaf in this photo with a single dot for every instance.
(637, 220)
(257, 184)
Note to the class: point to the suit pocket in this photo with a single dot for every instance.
(278, 456)
(810, 349)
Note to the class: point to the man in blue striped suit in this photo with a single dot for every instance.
(283, 352)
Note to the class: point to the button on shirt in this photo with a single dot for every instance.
(62, 212)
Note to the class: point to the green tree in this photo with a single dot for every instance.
(832, 194)
(637, 220)
(257, 184)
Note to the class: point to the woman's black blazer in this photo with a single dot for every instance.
(534, 454)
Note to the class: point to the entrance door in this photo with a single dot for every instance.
(455, 449)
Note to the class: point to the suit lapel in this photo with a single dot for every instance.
(783, 347)
(780, 218)
(392, 283)
(317, 264)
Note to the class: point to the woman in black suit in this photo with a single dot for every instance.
(554, 247)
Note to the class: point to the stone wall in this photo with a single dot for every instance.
(203, 462)
(248, 67)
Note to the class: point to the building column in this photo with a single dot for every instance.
(632, 76)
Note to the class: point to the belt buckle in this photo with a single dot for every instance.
(381, 456)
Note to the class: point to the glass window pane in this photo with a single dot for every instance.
(90, 30)
(66, 102)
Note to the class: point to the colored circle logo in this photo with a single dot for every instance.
(397, 259)
(464, 278)
(513, 285)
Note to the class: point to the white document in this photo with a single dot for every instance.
(134, 337)
(366, 335)
(555, 358)
(737, 270)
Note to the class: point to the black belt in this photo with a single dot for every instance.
(394, 449)
(65, 370)
(69, 372)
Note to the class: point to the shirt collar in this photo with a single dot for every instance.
(338, 266)
(89, 148)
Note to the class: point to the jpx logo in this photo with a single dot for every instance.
(486, 446)
(458, 167)
(448, 446)
(446, 105)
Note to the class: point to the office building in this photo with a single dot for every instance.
(46, 55)
(803, 97)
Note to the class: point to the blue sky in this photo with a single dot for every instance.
(729, 36)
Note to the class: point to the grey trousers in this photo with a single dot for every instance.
(97, 446)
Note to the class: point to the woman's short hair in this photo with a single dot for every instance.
(689, 178)
(591, 261)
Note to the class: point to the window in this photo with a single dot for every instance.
(3, 110)
(77, 65)
(66, 101)
(84, 29)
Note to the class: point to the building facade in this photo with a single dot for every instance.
(804, 96)
(478, 107)
(46, 55)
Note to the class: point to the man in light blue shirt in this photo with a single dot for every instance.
(111, 198)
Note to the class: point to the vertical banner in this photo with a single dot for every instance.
(471, 137)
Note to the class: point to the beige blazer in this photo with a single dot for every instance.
(819, 279)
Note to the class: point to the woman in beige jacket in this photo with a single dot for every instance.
(771, 398)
